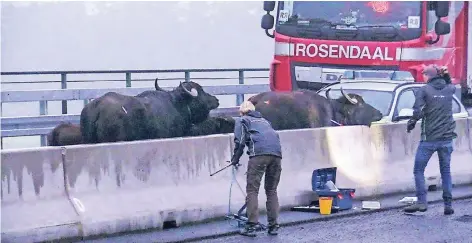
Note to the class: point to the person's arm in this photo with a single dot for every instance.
(417, 109)
(239, 140)
(419, 105)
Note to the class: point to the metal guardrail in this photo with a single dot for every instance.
(41, 125)
(86, 94)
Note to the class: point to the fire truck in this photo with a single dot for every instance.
(316, 42)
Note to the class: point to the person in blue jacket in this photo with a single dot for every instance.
(433, 105)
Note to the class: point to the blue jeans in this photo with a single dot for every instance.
(423, 154)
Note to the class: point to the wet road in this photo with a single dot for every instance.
(389, 226)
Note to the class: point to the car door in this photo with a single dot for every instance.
(458, 110)
(406, 100)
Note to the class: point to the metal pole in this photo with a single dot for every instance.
(1, 113)
(64, 86)
(187, 76)
(43, 110)
(128, 80)
(240, 97)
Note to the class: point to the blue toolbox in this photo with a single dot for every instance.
(342, 198)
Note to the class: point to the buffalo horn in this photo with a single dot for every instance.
(156, 85)
(193, 92)
(327, 94)
(353, 101)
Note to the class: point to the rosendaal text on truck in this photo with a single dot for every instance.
(357, 52)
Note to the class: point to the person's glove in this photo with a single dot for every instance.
(410, 125)
(234, 162)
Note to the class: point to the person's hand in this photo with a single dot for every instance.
(235, 162)
(443, 70)
(410, 125)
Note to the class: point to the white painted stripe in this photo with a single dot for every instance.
(284, 49)
(422, 54)
(405, 54)
(398, 54)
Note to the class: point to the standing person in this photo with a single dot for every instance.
(433, 105)
(265, 155)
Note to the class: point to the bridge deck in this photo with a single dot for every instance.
(294, 230)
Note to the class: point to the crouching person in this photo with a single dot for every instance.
(265, 155)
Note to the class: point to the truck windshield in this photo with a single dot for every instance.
(319, 20)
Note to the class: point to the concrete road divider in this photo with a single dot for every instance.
(35, 205)
(129, 186)
(140, 185)
(399, 149)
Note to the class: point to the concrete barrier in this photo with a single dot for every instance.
(399, 149)
(35, 205)
(121, 187)
(140, 185)
(376, 161)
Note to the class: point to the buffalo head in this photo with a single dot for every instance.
(199, 102)
(213, 125)
(351, 109)
(225, 124)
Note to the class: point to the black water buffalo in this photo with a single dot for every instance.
(151, 114)
(115, 117)
(65, 134)
(213, 125)
(307, 109)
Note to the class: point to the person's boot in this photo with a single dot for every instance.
(448, 210)
(416, 207)
(273, 229)
(249, 230)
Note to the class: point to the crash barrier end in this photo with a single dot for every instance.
(118, 187)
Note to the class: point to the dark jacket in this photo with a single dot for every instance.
(433, 105)
(257, 134)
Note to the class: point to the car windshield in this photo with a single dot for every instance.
(380, 100)
(399, 15)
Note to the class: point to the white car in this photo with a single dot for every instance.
(394, 98)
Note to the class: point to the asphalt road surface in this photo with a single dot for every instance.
(389, 226)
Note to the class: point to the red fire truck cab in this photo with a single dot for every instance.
(316, 42)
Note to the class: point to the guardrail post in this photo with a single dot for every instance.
(187, 76)
(64, 86)
(43, 110)
(240, 97)
(128, 80)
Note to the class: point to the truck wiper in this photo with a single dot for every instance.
(335, 24)
(315, 26)
(305, 31)
(389, 34)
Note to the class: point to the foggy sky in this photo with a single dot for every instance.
(132, 35)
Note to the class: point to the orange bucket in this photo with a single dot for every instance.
(325, 205)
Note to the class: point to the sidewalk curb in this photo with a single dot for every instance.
(321, 219)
